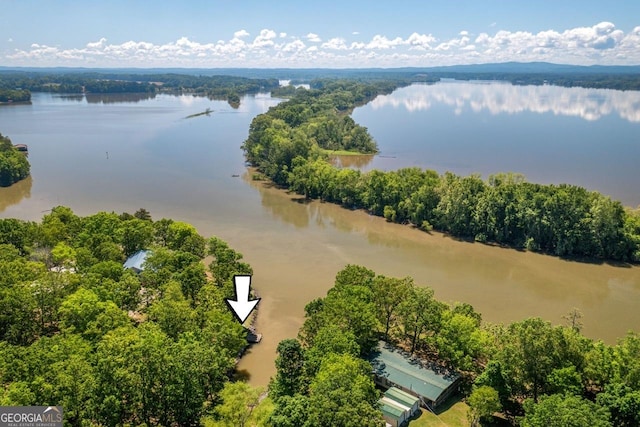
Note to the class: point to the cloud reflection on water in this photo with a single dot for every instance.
(500, 98)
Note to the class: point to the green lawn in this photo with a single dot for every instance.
(452, 413)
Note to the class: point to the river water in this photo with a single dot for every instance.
(120, 154)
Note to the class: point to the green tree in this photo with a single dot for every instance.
(564, 411)
(622, 402)
(63, 255)
(460, 341)
(343, 394)
(330, 339)
(289, 369)
(483, 402)
(172, 312)
(83, 313)
(388, 294)
(137, 234)
(238, 402)
(420, 312)
(290, 411)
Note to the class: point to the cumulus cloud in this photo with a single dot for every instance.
(382, 42)
(240, 34)
(601, 43)
(336, 43)
(312, 37)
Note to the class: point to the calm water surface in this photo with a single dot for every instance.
(122, 154)
(586, 137)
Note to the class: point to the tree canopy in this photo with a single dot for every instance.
(111, 346)
(14, 165)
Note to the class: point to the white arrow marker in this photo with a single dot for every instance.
(241, 306)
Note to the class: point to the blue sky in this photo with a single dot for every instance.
(327, 33)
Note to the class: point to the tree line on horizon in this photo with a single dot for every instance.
(19, 85)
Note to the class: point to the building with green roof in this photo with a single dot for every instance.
(429, 382)
(408, 400)
(398, 406)
(393, 414)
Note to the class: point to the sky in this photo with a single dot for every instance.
(312, 34)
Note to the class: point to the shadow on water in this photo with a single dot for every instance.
(113, 98)
(241, 375)
(15, 193)
(300, 211)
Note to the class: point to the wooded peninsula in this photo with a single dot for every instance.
(14, 165)
(288, 145)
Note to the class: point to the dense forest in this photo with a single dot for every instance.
(289, 144)
(535, 373)
(14, 165)
(14, 95)
(311, 122)
(111, 346)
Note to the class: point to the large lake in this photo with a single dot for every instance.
(551, 134)
(120, 154)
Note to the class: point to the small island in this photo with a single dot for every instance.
(14, 165)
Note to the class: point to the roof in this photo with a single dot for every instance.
(137, 260)
(425, 380)
(391, 410)
(401, 397)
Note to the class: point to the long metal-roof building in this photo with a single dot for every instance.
(431, 383)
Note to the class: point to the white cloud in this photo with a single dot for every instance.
(10, 40)
(601, 43)
(421, 41)
(294, 46)
(355, 33)
(336, 43)
(240, 34)
(382, 42)
(312, 37)
(97, 45)
(264, 39)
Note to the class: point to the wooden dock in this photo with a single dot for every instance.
(253, 338)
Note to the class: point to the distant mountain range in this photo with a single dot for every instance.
(298, 73)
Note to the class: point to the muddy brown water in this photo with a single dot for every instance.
(120, 156)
